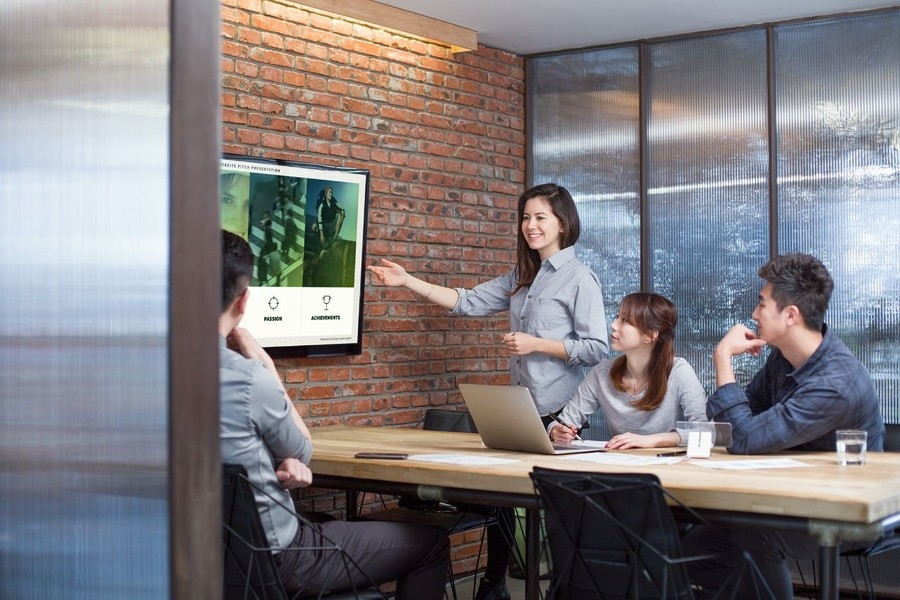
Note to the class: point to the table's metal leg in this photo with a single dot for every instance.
(352, 509)
(829, 571)
(532, 554)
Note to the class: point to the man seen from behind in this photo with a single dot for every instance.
(261, 430)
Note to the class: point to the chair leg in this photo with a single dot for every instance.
(452, 583)
(812, 589)
(478, 560)
(853, 578)
(867, 576)
(450, 575)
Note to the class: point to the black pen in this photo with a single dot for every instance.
(677, 453)
(558, 420)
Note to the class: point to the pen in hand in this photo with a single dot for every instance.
(558, 420)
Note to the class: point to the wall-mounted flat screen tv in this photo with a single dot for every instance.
(306, 225)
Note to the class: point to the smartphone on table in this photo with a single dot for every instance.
(382, 455)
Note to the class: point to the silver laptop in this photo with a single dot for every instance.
(507, 419)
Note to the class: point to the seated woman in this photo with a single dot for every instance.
(646, 390)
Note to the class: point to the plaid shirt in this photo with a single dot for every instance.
(800, 409)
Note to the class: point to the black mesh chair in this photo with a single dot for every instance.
(614, 536)
(446, 419)
(890, 542)
(249, 566)
(450, 518)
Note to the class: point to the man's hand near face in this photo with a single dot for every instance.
(738, 340)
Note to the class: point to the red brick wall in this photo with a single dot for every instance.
(443, 138)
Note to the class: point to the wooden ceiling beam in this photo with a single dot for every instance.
(459, 39)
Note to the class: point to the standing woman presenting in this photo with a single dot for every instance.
(557, 324)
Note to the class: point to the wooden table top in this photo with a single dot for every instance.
(824, 491)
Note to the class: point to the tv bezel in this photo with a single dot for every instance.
(323, 350)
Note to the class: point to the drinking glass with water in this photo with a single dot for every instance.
(851, 446)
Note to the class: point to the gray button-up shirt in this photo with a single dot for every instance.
(256, 430)
(564, 302)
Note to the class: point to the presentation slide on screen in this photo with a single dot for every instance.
(306, 227)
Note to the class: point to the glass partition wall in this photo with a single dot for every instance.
(109, 436)
(837, 110)
(695, 159)
(585, 122)
(707, 198)
(84, 236)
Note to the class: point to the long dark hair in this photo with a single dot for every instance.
(650, 313)
(323, 196)
(528, 261)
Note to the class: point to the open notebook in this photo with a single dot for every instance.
(507, 419)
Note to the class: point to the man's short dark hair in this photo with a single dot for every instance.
(800, 280)
(237, 267)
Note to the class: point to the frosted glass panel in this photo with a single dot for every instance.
(838, 117)
(84, 237)
(585, 122)
(708, 191)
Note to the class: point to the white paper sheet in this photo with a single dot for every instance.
(628, 460)
(589, 443)
(462, 459)
(747, 465)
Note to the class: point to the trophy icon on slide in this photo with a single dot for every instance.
(326, 299)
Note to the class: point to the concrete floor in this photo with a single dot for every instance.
(465, 588)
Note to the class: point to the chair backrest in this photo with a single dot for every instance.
(249, 570)
(892, 438)
(445, 419)
(610, 536)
